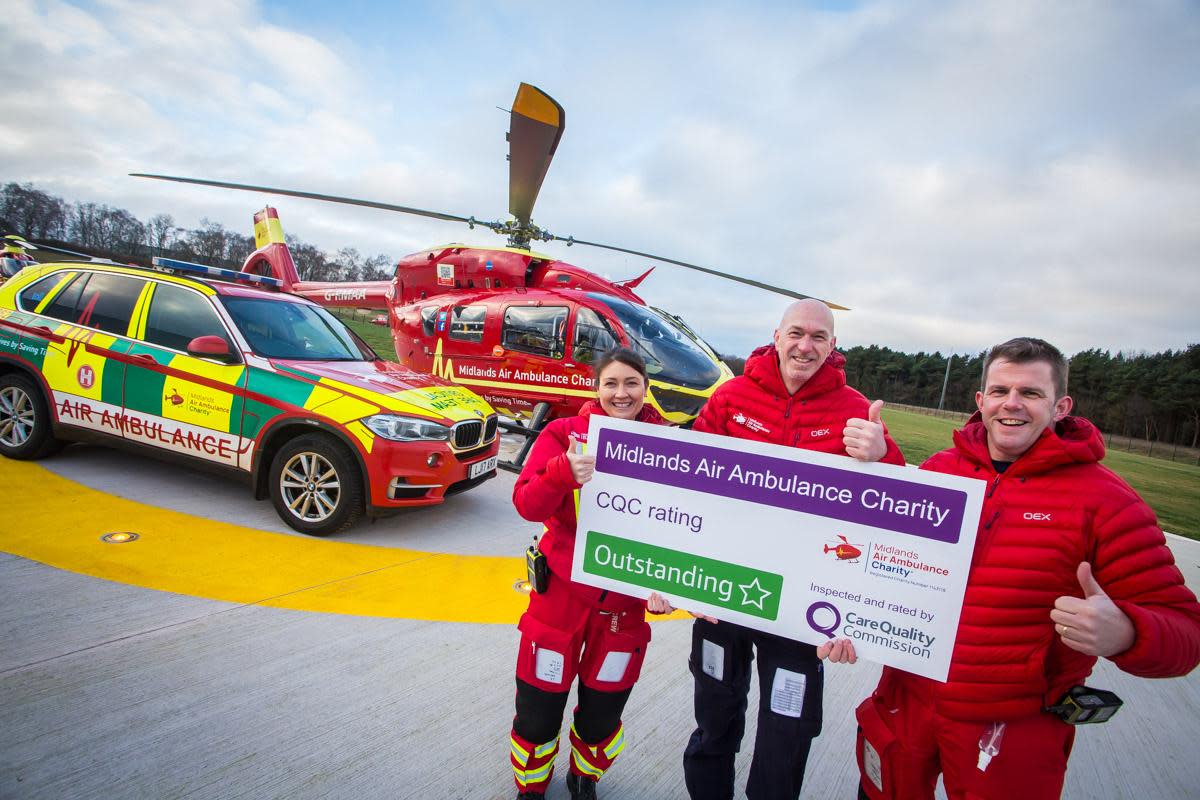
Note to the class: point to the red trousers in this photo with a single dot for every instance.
(903, 744)
(564, 634)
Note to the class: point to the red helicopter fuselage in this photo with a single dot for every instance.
(515, 326)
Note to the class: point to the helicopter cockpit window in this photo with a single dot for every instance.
(671, 354)
(536, 329)
(466, 323)
(593, 336)
(428, 317)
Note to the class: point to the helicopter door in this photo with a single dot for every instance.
(460, 340)
(593, 337)
(534, 339)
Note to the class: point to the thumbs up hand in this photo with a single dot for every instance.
(1093, 624)
(583, 466)
(863, 438)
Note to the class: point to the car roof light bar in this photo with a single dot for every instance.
(215, 272)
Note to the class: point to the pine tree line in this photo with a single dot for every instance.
(1145, 396)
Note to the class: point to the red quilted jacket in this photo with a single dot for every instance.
(756, 405)
(545, 490)
(1053, 508)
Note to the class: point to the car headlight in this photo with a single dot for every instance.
(407, 429)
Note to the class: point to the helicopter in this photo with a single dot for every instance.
(519, 327)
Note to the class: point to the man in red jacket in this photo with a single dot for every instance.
(1069, 566)
(791, 393)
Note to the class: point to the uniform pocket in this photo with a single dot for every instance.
(612, 660)
(546, 658)
(874, 748)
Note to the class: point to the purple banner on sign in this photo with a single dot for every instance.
(931, 512)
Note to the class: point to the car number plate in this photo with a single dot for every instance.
(480, 467)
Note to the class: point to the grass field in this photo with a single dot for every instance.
(1172, 489)
(378, 336)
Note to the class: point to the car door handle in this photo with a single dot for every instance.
(144, 359)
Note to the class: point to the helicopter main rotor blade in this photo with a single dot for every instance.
(536, 126)
(65, 251)
(329, 198)
(748, 281)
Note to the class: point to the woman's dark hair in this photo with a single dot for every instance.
(622, 355)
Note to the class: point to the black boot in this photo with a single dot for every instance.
(530, 796)
(580, 788)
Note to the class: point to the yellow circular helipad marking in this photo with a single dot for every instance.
(59, 522)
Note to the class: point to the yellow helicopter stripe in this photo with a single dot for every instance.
(517, 250)
(268, 231)
(526, 387)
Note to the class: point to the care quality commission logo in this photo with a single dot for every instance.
(824, 617)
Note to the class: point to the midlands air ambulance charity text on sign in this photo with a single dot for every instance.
(802, 544)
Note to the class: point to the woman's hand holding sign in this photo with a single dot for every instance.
(837, 651)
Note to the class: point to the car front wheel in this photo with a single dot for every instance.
(316, 486)
(24, 419)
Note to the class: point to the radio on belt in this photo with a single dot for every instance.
(1082, 705)
(536, 567)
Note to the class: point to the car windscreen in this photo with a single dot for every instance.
(282, 329)
(671, 355)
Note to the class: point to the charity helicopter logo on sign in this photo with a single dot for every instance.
(844, 551)
(748, 532)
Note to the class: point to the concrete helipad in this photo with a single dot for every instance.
(220, 655)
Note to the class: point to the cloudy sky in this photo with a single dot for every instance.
(956, 172)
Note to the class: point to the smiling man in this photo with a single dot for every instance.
(793, 392)
(1069, 565)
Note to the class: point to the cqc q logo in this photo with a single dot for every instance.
(824, 617)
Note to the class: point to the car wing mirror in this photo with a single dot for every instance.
(213, 347)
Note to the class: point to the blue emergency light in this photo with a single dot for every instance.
(215, 272)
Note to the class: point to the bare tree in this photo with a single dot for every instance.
(160, 233)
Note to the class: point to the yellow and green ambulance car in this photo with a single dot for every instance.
(221, 370)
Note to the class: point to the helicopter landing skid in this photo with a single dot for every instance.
(530, 432)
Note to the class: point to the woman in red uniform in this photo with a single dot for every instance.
(572, 629)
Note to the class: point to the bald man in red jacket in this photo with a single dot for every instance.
(793, 392)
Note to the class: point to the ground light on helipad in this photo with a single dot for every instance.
(119, 537)
(61, 523)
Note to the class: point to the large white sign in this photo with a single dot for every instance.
(803, 544)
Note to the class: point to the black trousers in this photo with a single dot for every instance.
(791, 680)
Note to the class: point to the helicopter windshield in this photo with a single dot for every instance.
(671, 355)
